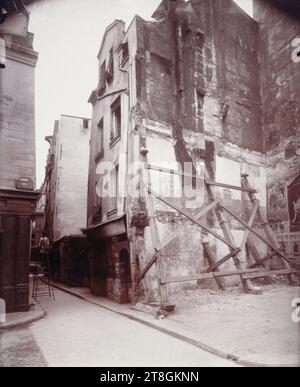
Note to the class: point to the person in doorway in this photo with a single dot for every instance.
(44, 246)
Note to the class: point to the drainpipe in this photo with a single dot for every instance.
(180, 69)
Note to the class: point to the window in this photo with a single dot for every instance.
(100, 140)
(110, 68)
(102, 81)
(115, 190)
(98, 202)
(115, 132)
(86, 123)
(124, 54)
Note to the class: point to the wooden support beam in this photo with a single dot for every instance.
(228, 235)
(228, 186)
(173, 172)
(212, 261)
(192, 219)
(247, 274)
(270, 273)
(250, 223)
(251, 245)
(225, 259)
(268, 230)
(153, 229)
(148, 266)
(263, 260)
(204, 210)
(256, 233)
(207, 181)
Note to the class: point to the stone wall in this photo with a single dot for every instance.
(17, 124)
(280, 80)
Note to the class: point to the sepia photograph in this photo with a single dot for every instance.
(149, 186)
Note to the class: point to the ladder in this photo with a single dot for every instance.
(42, 279)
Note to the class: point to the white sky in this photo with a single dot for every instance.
(68, 37)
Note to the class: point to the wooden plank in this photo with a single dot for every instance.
(252, 248)
(192, 219)
(250, 223)
(255, 233)
(225, 259)
(270, 273)
(267, 228)
(219, 274)
(147, 267)
(140, 251)
(229, 186)
(207, 181)
(212, 261)
(173, 172)
(206, 208)
(153, 230)
(263, 260)
(228, 235)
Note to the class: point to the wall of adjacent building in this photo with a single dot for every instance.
(17, 157)
(68, 183)
(72, 155)
(280, 90)
(17, 122)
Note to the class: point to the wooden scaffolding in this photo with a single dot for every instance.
(246, 274)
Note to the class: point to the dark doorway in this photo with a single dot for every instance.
(125, 275)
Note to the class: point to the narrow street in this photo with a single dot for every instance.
(76, 333)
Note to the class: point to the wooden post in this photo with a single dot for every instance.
(268, 230)
(211, 260)
(228, 235)
(154, 233)
(140, 249)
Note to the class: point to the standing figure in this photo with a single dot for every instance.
(44, 246)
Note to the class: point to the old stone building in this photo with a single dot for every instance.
(66, 197)
(203, 84)
(17, 155)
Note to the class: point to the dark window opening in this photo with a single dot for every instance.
(85, 123)
(100, 140)
(98, 202)
(102, 82)
(187, 37)
(116, 121)
(124, 54)
(110, 67)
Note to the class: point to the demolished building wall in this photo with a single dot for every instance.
(280, 89)
(194, 96)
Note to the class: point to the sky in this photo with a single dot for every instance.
(68, 37)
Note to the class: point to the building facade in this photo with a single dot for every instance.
(17, 155)
(279, 56)
(66, 184)
(190, 87)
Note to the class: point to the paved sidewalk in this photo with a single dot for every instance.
(22, 319)
(249, 329)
